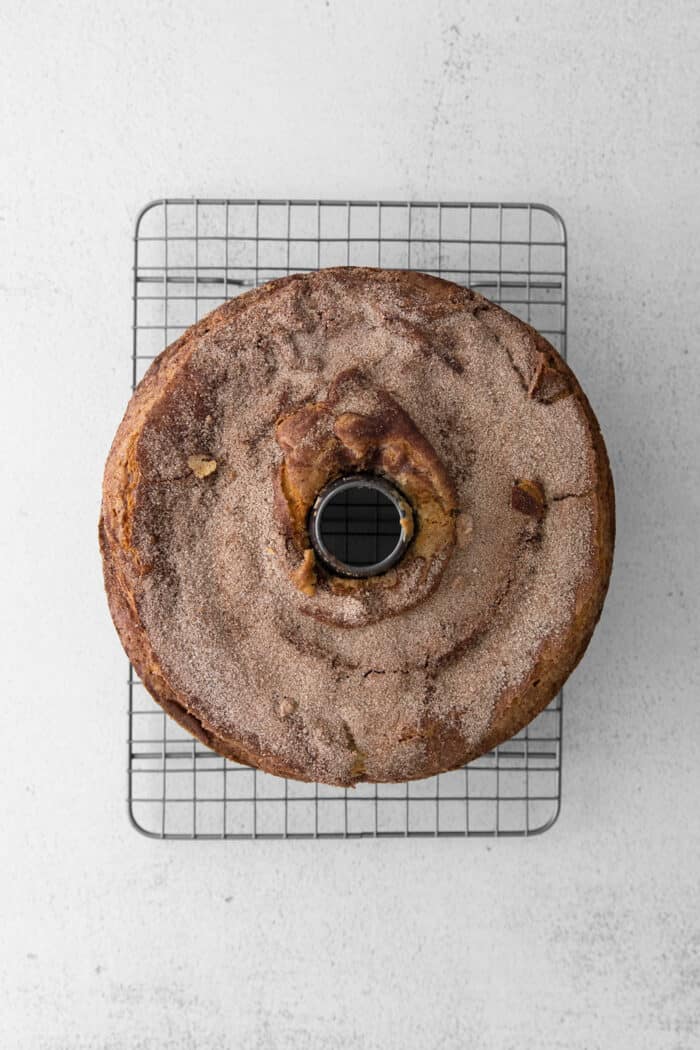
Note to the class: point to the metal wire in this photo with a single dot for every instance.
(189, 256)
(355, 525)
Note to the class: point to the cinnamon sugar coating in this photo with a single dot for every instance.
(482, 426)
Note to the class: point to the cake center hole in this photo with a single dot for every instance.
(360, 526)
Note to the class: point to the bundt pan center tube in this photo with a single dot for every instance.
(360, 525)
(357, 525)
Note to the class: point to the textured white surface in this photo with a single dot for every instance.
(587, 937)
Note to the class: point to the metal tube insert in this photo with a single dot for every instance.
(360, 525)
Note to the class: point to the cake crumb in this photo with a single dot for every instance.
(464, 529)
(527, 496)
(286, 707)
(304, 577)
(201, 466)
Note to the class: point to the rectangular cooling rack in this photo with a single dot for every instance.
(191, 255)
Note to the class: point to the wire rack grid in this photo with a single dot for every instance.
(190, 255)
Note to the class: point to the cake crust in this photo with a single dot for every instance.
(375, 681)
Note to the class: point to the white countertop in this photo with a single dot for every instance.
(586, 937)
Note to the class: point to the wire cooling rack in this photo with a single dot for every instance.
(190, 256)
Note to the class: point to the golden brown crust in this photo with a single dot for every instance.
(129, 559)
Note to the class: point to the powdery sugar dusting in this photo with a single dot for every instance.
(227, 624)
